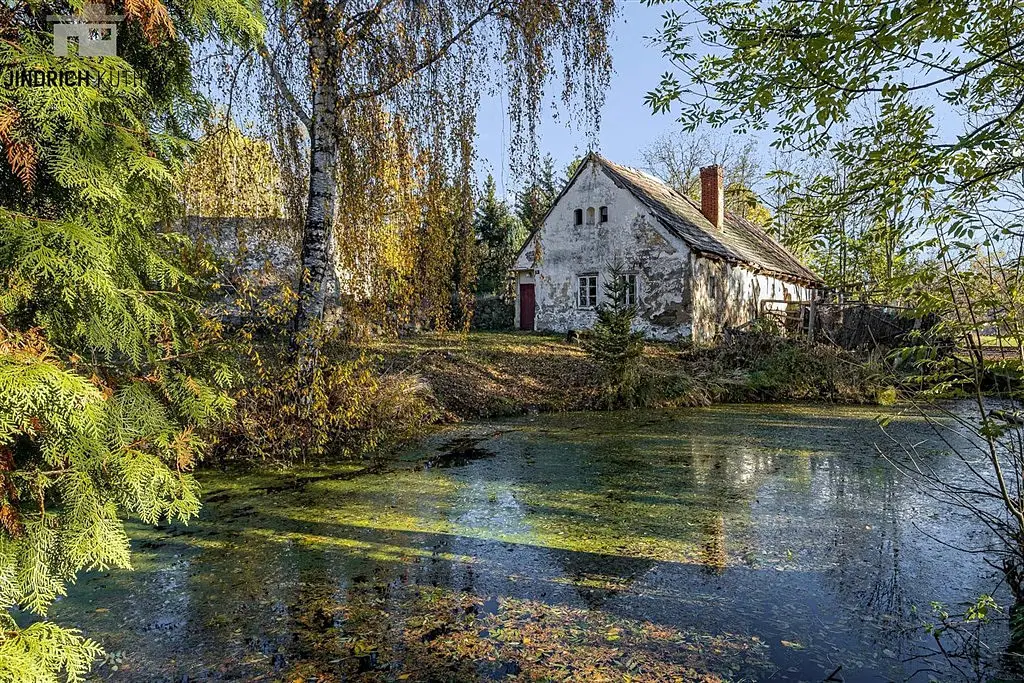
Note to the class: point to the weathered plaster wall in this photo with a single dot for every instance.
(260, 253)
(268, 252)
(630, 238)
(266, 249)
(727, 295)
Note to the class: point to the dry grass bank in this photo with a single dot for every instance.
(487, 374)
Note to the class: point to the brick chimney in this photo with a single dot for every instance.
(712, 194)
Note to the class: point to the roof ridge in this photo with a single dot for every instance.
(737, 239)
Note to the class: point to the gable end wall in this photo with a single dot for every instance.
(631, 238)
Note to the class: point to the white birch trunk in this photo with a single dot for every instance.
(318, 232)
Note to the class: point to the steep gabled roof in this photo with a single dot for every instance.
(739, 240)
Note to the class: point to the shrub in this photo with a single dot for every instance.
(617, 348)
(494, 314)
(764, 366)
(344, 407)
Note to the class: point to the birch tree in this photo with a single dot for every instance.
(421, 66)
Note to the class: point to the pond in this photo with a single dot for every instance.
(727, 543)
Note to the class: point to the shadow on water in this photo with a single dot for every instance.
(458, 453)
(729, 543)
(293, 483)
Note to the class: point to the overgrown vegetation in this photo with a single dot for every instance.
(763, 366)
(344, 406)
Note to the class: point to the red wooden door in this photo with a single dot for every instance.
(527, 306)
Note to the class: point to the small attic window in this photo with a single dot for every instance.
(590, 216)
(604, 214)
(579, 216)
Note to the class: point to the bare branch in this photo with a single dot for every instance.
(293, 104)
(437, 55)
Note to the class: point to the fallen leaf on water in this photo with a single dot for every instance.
(795, 646)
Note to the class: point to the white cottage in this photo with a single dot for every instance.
(692, 269)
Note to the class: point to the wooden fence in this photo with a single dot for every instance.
(850, 324)
(859, 324)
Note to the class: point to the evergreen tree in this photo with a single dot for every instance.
(572, 167)
(617, 348)
(106, 373)
(535, 200)
(499, 236)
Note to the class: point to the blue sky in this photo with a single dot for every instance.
(627, 124)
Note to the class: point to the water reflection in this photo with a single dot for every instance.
(737, 542)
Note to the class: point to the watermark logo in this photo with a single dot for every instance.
(95, 34)
(93, 29)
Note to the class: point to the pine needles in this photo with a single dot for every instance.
(616, 347)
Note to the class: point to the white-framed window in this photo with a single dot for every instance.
(587, 297)
(590, 216)
(578, 216)
(603, 211)
(632, 289)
